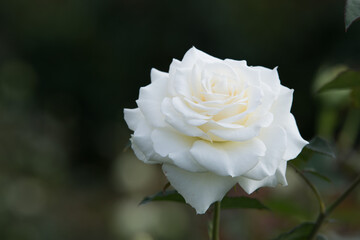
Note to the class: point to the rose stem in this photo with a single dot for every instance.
(216, 221)
(323, 216)
(313, 188)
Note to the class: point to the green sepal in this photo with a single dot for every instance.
(226, 203)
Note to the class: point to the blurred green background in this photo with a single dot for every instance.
(69, 67)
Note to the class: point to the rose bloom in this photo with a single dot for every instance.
(213, 123)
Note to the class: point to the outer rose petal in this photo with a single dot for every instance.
(200, 190)
(150, 99)
(246, 73)
(140, 141)
(168, 143)
(284, 118)
(142, 146)
(133, 117)
(274, 139)
(228, 158)
(279, 177)
(270, 77)
(156, 74)
(295, 142)
(193, 55)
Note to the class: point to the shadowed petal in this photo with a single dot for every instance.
(250, 185)
(274, 139)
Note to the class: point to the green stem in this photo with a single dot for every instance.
(343, 196)
(323, 216)
(216, 221)
(313, 188)
(320, 220)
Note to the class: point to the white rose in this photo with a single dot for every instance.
(213, 123)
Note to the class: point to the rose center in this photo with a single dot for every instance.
(218, 88)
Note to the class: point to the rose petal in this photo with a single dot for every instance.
(187, 112)
(219, 70)
(229, 110)
(168, 143)
(143, 146)
(255, 96)
(228, 158)
(133, 117)
(295, 142)
(250, 185)
(270, 77)
(200, 108)
(150, 99)
(247, 75)
(156, 74)
(284, 118)
(241, 134)
(284, 101)
(196, 79)
(274, 139)
(177, 121)
(200, 190)
(180, 82)
(193, 55)
(140, 140)
(144, 152)
(268, 99)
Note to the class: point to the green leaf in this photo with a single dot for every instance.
(164, 196)
(226, 203)
(352, 12)
(241, 202)
(300, 232)
(317, 174)
(320, 145)
(303, 157)
(348, 79)
(288, 208)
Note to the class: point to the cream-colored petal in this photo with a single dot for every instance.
(200, 190)
(241, 134)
